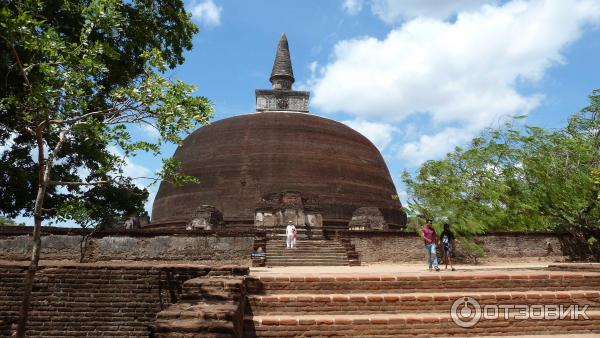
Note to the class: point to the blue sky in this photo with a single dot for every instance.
(417, 77)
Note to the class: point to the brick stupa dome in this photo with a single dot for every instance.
(281, 148)
(240, 159)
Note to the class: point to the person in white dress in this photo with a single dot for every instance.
(290, 235)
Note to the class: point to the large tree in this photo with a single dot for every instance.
(143, 26)
(78, 77)
(520, 178)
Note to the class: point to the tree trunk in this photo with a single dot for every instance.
(84, 244)
(44, 169)
(33, 266)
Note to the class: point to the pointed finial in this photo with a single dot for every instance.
(282, 75)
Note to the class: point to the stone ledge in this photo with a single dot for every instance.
(531, 275)
(235, 269)
(26, 230)
(375, 319)
(415, 296)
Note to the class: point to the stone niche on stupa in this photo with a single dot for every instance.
(277, 209)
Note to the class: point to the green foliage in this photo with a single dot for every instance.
(80, 76)
(513, 179)
(9, 221)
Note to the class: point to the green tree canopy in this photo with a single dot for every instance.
(518, 178)
(71, 55)
(9, 221)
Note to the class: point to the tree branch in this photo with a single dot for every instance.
(17, 59)
(67, 183)
(83, 117)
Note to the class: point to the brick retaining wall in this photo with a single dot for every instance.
(98, 300)
(390, 246)
(64, 244)
(234, 247)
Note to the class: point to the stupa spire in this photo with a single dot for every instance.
(282, 75)
(281, 97)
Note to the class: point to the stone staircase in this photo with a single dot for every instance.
(397, 305)
(311, 249)
(308, 252)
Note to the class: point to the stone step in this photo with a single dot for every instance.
(340, 263)
(315, 241)
(362, 303)
(301, 236)
(308, 259)
(306, 242)
(458, 281)
(394, 325)
(298, 254)
(295, 251)
(308, 262)
(301, 247)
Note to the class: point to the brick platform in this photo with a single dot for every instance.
(392, 305)
(96, 300)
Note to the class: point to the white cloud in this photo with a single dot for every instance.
(380, 134)
(207, 13)
(434, 146)
(352, 7)
(462, 75)
(132, 169)
(391, 11)
(403, 197)
(150, 132)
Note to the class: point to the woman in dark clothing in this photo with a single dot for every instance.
(447, 240)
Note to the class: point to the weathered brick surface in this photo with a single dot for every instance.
(209, 307)
(488, 281)
(286, 304)
(370, 305)
(97, 300)
(575, 267)
(207, 247)
(410, 325)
